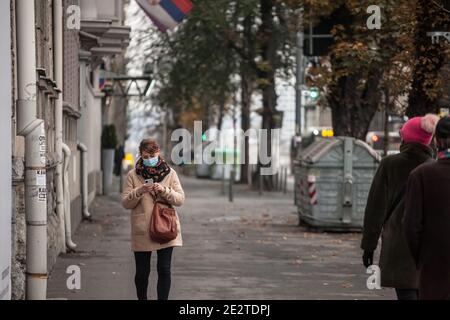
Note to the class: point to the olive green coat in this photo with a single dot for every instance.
(142, 207)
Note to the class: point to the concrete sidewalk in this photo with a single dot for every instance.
(249, 249)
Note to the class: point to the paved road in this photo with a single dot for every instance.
(249, 249)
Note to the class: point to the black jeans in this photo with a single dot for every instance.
(407, 294)
(143, 273)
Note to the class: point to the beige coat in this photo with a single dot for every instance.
(142, 207)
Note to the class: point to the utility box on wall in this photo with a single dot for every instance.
(5, 146)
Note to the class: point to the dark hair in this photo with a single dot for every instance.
(149, 145)
(443, 134)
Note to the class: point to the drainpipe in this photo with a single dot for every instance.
(33, 129)
(58, 71)
(84, 181)
(67, 154)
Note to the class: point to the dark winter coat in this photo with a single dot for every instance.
(427, 227)
(388, 188)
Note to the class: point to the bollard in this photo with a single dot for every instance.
(121, 182)
(260, 184)
(231, 185)
(223, 180)
(285, 180)
(250, 172)
(276, 181)
(280, 180)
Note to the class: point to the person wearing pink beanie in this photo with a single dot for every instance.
(427, 220)
(419, 129)
(385, 209)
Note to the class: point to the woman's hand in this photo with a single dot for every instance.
(144, 189)
(158, 188)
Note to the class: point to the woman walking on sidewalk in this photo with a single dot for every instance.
(385, 206)
(151, 180)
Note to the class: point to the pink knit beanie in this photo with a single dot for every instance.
(419, 129)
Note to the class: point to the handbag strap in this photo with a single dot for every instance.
(161, 202)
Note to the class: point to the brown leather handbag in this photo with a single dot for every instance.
(163, 223)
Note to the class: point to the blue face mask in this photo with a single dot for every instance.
(152, 162)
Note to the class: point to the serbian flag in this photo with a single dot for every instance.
(166, 14)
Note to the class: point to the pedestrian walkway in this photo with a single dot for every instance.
(249, 249)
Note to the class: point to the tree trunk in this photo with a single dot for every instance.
(267, 76)
(429, 59)
(221, 112)
(353, 109)
(246, 98)
(206, 117)
(247, 86)
(353, 98)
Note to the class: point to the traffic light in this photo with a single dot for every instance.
(314, 94)
(311, 97)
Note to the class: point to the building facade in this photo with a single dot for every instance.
(84, 52)
(5, 145)
(103, 39)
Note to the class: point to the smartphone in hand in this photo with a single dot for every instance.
(149, 182)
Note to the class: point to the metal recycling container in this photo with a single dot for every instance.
(332, 181)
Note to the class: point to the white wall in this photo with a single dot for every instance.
(5, 146)
(101, 9)
(88, 9)
(106, 8)
(90, 123)
(93, 117)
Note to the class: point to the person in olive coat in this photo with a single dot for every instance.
(385, 207)
(427, 219)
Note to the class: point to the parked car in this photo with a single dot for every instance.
(376, 139)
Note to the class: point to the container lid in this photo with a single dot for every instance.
(319, 149)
